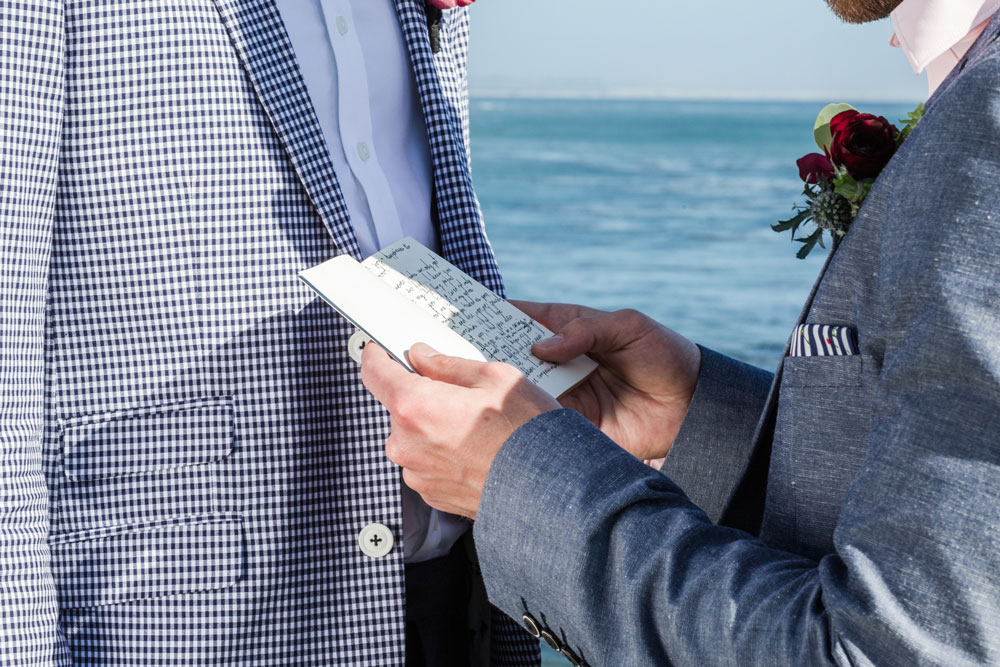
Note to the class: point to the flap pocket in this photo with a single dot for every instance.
(835, 371)
(148, 439)
(109, 566)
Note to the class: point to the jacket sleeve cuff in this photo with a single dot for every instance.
(713, 444)
(549, 498)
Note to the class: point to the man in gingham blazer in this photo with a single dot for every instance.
(187, 455)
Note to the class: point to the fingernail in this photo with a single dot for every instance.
(425, 350)
(550, 342)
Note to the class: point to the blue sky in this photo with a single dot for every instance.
(730, 48)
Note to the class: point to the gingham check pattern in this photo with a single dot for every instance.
(209, 453)
(31, 60)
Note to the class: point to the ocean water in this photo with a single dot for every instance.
(657, 205)
(663, 206)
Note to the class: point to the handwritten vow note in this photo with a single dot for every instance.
(407, 294)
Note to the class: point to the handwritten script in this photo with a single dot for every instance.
(498, 329)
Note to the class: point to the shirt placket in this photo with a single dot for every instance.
(355, 126)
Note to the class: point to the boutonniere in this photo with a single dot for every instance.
(856, 147)
(434, 11)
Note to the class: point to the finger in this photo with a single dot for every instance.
(385, 377)
(601, 333)
(554, 316)
(454, 370)
(576, 338)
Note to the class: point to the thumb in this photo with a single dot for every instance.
(384, 377)
(430, 363)
(596, 335)
(575, 339)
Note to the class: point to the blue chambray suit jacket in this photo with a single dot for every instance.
(187, 454)
(848, 515)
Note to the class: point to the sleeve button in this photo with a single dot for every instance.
(551, 640)
(572, 657)
(532, 625)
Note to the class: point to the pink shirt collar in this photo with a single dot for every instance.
(935, 34)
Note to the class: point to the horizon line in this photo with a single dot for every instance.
(627, 95)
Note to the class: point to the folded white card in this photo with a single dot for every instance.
(407, 294)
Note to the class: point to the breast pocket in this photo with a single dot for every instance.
(138, 512)
(831, 371)
(820, 440)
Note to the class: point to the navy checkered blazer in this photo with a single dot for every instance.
(187, 454)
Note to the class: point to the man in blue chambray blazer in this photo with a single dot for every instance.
(187, 454)
(848, 515)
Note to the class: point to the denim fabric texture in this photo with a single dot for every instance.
(863, 519)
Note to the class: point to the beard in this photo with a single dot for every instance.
(862, 11)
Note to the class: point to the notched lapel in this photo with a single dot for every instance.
(459, 220)
(771, 405)
(262, 44)
(745, 508)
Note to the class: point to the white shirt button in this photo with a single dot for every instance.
(375, 540)
(356, 345)
(363, 151)
(342, 25)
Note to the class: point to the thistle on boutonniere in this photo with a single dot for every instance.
(856, 147)
(434, 9)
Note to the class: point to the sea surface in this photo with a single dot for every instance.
(663, 206)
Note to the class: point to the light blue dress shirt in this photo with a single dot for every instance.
(355, 64)
(354, 61)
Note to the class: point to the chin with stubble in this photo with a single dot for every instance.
(862, 11)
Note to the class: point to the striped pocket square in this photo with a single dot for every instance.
(823, 340)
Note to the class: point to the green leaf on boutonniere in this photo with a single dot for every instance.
(794, 222)
(909, 123)
(809, 242)
(846, 186)
(866, 187)
(852, 189)
(821, 130)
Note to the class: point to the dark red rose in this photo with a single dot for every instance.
(862, 143)
(813, 167)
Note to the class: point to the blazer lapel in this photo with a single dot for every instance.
(463, 239)
(262, 44)
(745, 508)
